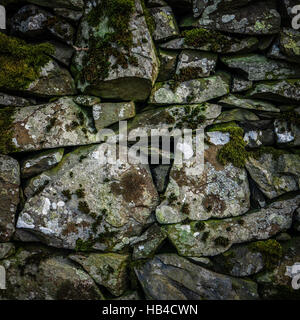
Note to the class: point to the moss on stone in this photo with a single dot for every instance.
(149, 18)
(80, 193)
(67, 194)
(6, 130)
(221, 241)
(198, 37)
(20, 62)
(83, 207)
(271, 251)
(83, 246)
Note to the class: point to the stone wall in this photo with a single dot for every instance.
(73, 227)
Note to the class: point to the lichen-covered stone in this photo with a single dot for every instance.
(148, 243)
(9, 196)
(284, 90)
(219, 191)
(105, 114)
(237, 115)
(217, 236)
(86, 101)
(188, 92)
(259, 18)
(57, 124)
(275, 174)
(252, 104)
(107, 269)
(194, 64)
(34, 165)
(289, 43)
(165, 23)
(168, 276)
(258, 134)
(128, 73)
(37, 273)
(7, 100)
(287, 132)
(240, 84)
(90, 203)
(257, 67)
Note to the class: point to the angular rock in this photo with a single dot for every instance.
(219, 191)
(131, 74)
(284, 90)
(290, 43)
(168, 61)
(9, 196)
(33, 273)
(105, 114)
(108, 269)
(230, 45)
(90, 203)
(188, 92)
(275, 173)
(170, 277)
(52, 125)
(239, 84)
(7, 100)
(239, 261)
(32, 21)
(252, 104)
(213, 237)
(287, 132)
(276, 53)
(194, 64)
(260, 18)
(35, 165)
(257, 137)
(148, 243)
(257, 67)
(69, 4)
(165, 23)
(86, 101)
(6, 250)
(237, 115)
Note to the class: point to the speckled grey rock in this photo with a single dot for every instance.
(290, 43)
(212, 237)
(233, 45)
(149, 242)
(188, 92)
(9, 196)
(217, 192)
(284, 90)
(252, 104)
(165, 23)
(7, 100)
(193, 64)
(237, 115)
(168, 62)
(34, 165)
(86, 101)
(239, 261)
(107, 269)
(257, 67)
(31, 21)
(105, 114)
(90, 203)
(240, 84)
(275, 175)
(168, 276)
(52, 125)
(36, 273)
(259, 18)
(133, 82)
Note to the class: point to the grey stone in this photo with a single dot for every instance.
(237, 115)
(35, 165)
(6, 250)
(239, 84)
(168, 62)
(9, 196)
(289, 43)
(287, 133)
(170, 277)
(7, 100)
(63, 53)
(86, 101)
(165, 23)
(194, 64)
(214, 237)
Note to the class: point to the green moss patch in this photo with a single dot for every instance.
(21, 62)
(6, 130)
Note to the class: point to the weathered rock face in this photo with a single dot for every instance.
(188, 92)
(275, 174)
(7, 100)
(165, 23)
(217, 192)
(130, 71)
(88, 204)
(258, 67)
(57, 124)
(290, 43)
(108, 270)
(9, 195)
(213, 237)
(259, 18)
(173, 277)
(34, 273)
